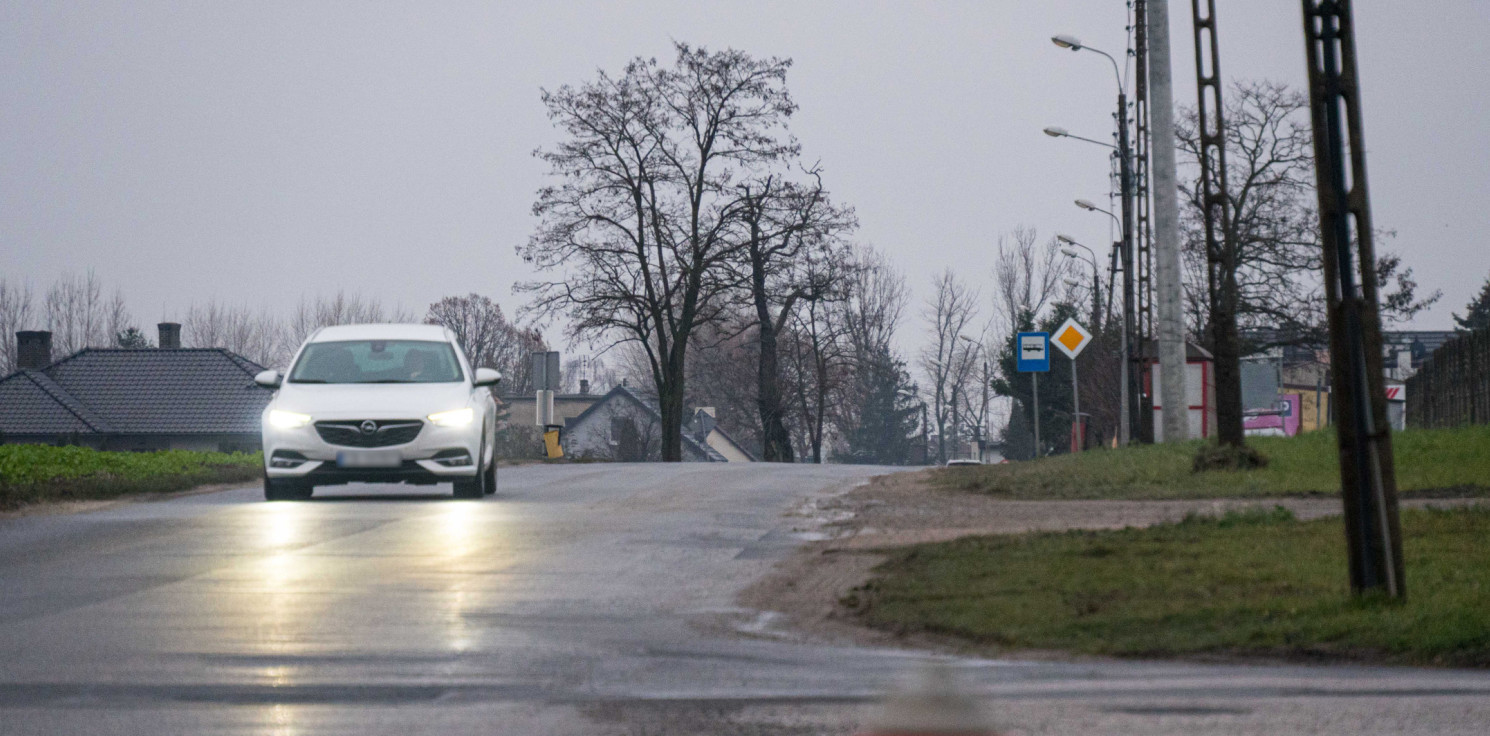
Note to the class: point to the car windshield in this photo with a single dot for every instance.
(377, 361)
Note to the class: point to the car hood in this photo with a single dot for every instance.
(372, 401)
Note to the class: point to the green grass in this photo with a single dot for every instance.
(1429, 462)
(37, 473)
(1256, 583)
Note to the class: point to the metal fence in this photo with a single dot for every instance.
(1453, 386)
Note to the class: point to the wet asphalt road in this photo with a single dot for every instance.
(585, 599)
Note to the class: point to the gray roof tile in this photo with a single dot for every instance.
(31, 403)
(170, 391)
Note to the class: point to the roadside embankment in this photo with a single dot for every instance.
(32, 474)
(1430, 463)
(1256, 583)
(1132, 554)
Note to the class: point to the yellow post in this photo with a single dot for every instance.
(551, 442)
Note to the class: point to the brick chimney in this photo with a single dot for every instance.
(584, 387)
(33, 349)
(170, 335)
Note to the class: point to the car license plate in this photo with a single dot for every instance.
(371, 459)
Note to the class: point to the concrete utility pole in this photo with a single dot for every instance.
(1367, 471)
(1171, 305)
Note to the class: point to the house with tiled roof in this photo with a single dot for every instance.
(132, 398)
(624, 425)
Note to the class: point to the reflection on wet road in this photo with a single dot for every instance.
(570, 603)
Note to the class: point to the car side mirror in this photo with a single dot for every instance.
(268, 379)
(487, 377)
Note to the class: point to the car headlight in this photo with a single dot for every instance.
(454, 417)
(282, 419)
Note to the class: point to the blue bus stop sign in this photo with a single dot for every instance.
(1033, 352)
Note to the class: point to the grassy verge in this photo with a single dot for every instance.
(1258, 583)
(1430, 462)
(38, 473)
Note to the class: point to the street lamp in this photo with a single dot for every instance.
(1087, 205)
(1055, 131)
(1132, 408)
(1096, 275)
(1075, 44)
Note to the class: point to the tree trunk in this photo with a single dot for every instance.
(1225, 342)
(822, 408)
(776, 443)
(670, 406)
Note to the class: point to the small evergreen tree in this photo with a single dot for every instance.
(886, 431)
(1477, 312)
(131, 338)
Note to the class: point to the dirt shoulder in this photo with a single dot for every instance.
(904, 509)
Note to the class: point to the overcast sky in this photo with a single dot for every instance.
(256, 152)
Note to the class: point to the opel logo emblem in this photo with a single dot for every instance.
(369, 426)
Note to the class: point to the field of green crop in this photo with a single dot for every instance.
(36, 473)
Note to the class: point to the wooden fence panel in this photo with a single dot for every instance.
(1452, 387)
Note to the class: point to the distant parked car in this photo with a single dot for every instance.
(963, 461)
(379, 404)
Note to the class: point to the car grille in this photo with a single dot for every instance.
(385, 432)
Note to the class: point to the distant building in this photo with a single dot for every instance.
(522, 411)
(133, 399)
(625, 426)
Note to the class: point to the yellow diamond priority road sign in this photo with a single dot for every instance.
(1071, 338)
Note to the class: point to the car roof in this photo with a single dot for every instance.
(381, 332)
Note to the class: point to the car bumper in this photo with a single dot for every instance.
(316, 460)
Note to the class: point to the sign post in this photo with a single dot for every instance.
(1034, 358)
(1071, 338)
(546, 382)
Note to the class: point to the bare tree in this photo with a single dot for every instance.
(864, 388)
(258, 335)
(792, 245)
(341, 308)
(816, 367)
(78, 314)
(488, 339)
(1274, 230)
(948, 359)
(642, 224)
(1029, 279)
(15, 315)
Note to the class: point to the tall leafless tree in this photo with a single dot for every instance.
(79, 315)
(948, 359)
(1274, 229)
(341, 308)
(818, 350)
(259, 335)
(857, 348)
(488, 339)
(642, 224)
(1028, 279)
(793, 245)
(15, 315)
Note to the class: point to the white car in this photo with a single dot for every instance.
(382, 403)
